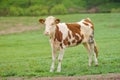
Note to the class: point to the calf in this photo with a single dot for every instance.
(63, 35)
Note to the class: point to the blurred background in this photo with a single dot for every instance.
(50, 7)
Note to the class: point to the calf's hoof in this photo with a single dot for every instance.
(96, 65)
(58, 70)
(51, 70)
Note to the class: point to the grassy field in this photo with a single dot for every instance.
(29, 53)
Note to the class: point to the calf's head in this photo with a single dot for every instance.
(50, 24)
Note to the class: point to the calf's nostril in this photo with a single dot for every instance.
(46, 33)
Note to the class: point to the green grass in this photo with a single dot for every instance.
(29, 53)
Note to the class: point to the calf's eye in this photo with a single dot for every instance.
(52, 24)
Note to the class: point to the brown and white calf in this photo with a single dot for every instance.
(63, 35)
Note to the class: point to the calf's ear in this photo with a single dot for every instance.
(41, 21)
(57, 21)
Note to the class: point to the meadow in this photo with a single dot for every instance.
(28, 53)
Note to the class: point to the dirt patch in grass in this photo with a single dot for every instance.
(19, 28)
(111, 76)
(114, 26)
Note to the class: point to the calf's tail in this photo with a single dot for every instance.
(95, 49)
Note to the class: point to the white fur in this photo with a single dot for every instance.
(48, 24)
(63, 28)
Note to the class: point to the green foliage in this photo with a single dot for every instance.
(80, 3)
(111, 7)
(92, 3)
(114, 10)
(58, 9)
(68, 3)
(37, 10)
(46, 7)
(16, 11)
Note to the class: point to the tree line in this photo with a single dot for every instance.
(46, 7)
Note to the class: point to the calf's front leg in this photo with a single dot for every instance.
(53, 62)
(60, 57)
(53, 58)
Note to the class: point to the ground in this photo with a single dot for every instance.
(111, 76)
(18, 29)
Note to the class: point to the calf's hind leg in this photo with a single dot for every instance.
(95, 52)
(87, 46)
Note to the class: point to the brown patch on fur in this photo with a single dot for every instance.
(75, 28)
(61, 45)
(82, 36)
(76, 37)
(85, 23)
(57, 21)
(58, 34)
(41, 21)
(96, 51)
(73, 41)
(79, 41)
(69, 35)
(88, 21)
(66, 42)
